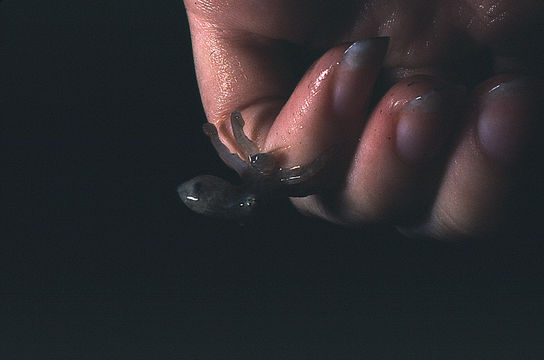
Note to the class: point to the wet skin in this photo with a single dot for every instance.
(453, 164)
(263, 179)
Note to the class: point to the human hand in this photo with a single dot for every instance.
(452, 104)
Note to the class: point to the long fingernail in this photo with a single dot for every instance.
(503, 123)
(356, 74)
(421, 128)
(365, 53)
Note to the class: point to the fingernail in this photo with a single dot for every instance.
(421, 128)
(356, 74)
(365, 53)
(504, 120)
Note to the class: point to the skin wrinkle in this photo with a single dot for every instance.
(391, 63)
(271, 18)
(217, 57)
(426, 38)
(229, 77)
(261, 105)
(206, 7)
(224, 78)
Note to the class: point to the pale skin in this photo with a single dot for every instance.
(440, 171)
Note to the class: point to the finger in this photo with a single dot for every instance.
(479, 178)
(238, 68)
(245, 59)
(329, 105)
(397, 164)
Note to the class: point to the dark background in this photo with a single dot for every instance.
(101, 121)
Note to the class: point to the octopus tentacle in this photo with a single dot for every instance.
(302, 173)
(247, 146)
(232, 160)
(264, 163)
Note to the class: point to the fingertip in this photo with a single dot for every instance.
(506, 113)
(424, 124)
(365, 53)
(479, 187)
(356, 74)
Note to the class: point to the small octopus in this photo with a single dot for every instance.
(263, 179)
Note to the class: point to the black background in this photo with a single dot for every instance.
(101, 120)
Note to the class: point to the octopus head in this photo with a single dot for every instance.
(213, 196)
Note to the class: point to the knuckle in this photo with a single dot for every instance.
(456, 223)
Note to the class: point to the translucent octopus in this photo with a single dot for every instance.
(263, 179)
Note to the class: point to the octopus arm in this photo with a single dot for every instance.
(232, 160)
(248, 147)
(303, 173)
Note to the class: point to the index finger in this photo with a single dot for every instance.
(240, 66)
